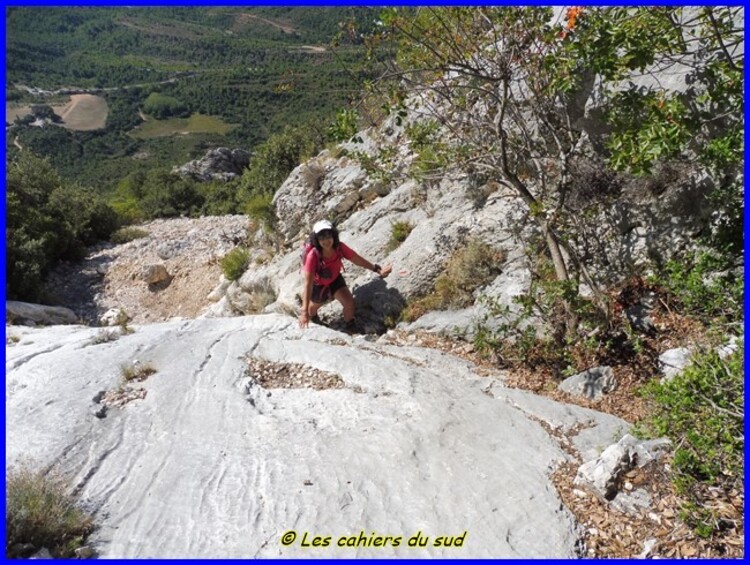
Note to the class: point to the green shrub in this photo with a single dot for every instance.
(260, 209)
(275, 158)
(161, 106)
(123, 235)
(47, 220)
(344, 127)
(127, 208)
(468, 269)
(399, 232)
(220, 198)
(167, 195)
(702, 411)
(705, 286)
(39, 512)
(234, 263)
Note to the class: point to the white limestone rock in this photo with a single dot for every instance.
(26, 313)
(412, 441)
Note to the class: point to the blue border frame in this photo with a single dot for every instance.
(312, 3)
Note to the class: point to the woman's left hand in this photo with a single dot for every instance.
(385, 271)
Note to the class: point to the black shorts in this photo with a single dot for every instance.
(322, 294)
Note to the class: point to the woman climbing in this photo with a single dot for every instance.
(323, 278)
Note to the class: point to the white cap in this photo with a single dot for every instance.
(322, 225)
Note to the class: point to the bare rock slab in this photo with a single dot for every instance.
(214, 461)
(592, 384)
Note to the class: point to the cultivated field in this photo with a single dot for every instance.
(83, 112)
(197, 123)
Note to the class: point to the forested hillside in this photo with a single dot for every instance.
(253, 71)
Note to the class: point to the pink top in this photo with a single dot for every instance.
(333, 265)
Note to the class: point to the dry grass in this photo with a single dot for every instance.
(469, 268)
(40, 513)
(136, 372)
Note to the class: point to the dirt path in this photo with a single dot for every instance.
(282, 27)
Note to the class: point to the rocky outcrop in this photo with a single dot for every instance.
(252, 421)
(605, 474)
(218, 164)
(633, 229)
(27, 314)
(591, 384)
(673, 361)
(155, 274)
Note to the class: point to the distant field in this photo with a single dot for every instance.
(83, 112)
(197, 123)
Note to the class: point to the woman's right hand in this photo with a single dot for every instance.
(304, 319)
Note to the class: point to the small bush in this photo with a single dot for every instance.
(123, 235)
(705, 287)
(39, 512)
(344, 127)
(468, 269)
(275, 158)
(259, 208)
(260, 295)
(104, 336)
(234, 263)
(399, 232)
(136, 372)
(702, 411)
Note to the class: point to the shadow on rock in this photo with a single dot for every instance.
(378, 305)
(75, 285)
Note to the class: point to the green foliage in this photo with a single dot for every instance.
(470, 267)
(124, 235)
(702, 411)
(45, 112)
(706, 286)
(399, 232)
(647, 128)
(128, 208)
(47, 220)
(248, 67)
(276, 158)
(422, 133)
(344, 127)
(260, 208)
(162, 107)
(432, 154)
(234, 263)
(38, 511)
(649, 123)
(157, 194)
(220, 198)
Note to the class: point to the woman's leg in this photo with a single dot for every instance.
(344, 296)
(312, 310)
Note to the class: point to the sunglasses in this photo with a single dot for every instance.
(325, 234)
